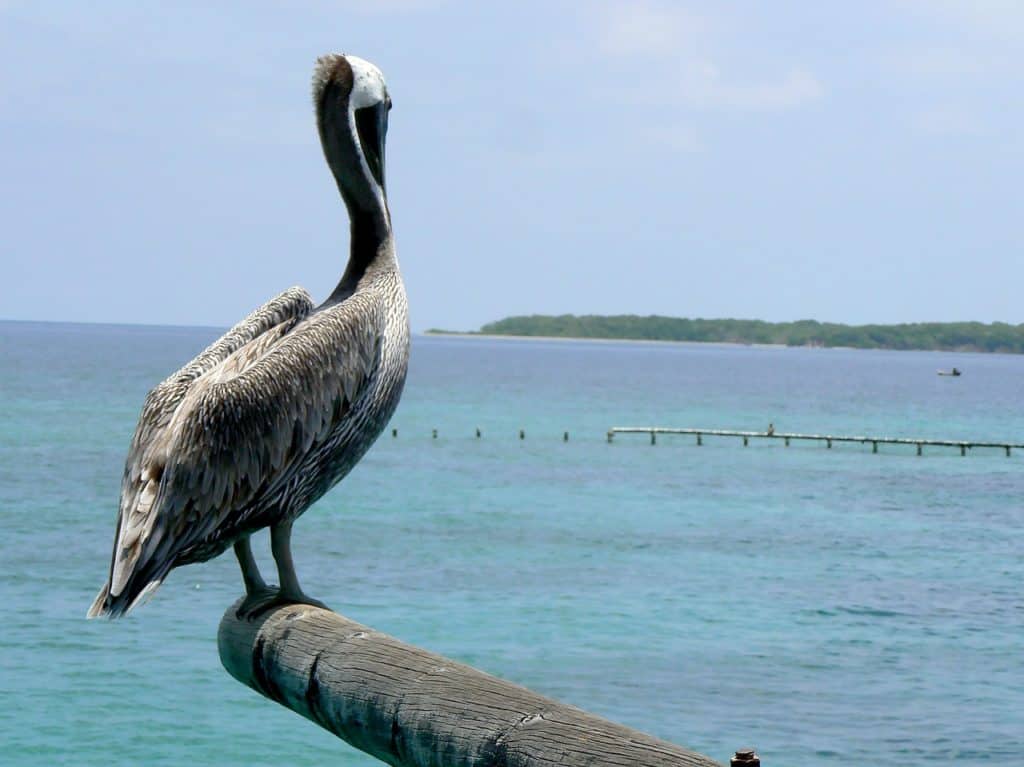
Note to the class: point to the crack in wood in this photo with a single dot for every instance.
(313, 697)
(262, 672)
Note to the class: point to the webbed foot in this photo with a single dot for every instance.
(266, 598)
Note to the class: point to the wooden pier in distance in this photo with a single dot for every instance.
(412, 708)
(827, 439)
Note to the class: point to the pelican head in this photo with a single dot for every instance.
(352, 105)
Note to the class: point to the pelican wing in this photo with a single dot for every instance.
(161, 403)
(238, 436)
(147, 453)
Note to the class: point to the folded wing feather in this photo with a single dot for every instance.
(145, 462)
(238, 432)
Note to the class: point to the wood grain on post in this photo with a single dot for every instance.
(409, 707)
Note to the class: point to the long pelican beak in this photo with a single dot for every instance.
(372, 126)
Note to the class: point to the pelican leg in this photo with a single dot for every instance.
(258, 595)
(250, 570)
(281, 547)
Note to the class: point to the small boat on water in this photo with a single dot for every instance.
(954, 372)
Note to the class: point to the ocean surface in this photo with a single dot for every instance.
(828, 607)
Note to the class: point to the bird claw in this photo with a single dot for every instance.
(261, 600)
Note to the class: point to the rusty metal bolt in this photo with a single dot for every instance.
(745, 757)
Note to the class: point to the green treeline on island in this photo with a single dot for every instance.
(940, 336)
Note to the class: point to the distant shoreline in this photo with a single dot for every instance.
(462, 334)
(1010, 342)
(950, 337)
(568, 339)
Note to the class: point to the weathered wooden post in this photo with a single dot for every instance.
(828, 444)
(412, 708)
(744, 440)
(874, 446)
(963, 449)
(653, 441)
(919, 448)
(565, 436)
(433, 434)
(478, 432)
(1007, 451)
(699, 442)
(394, 432)
(522, 434)
(610, 435)
(787, 441)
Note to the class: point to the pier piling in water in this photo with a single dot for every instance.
(745, 757)
(412, 708)
(747, 436)
(828, 439)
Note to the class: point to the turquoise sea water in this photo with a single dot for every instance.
(826, 606)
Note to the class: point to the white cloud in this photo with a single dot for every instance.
(627, 29)
(379, 7)
(1001, 16)
(965, 37)
(703, 87)
(957, 55)
(671, 52)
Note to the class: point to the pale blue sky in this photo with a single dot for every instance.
(853, 162)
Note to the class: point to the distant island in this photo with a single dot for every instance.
(937, 336)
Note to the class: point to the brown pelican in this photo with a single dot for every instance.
(268, 418)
